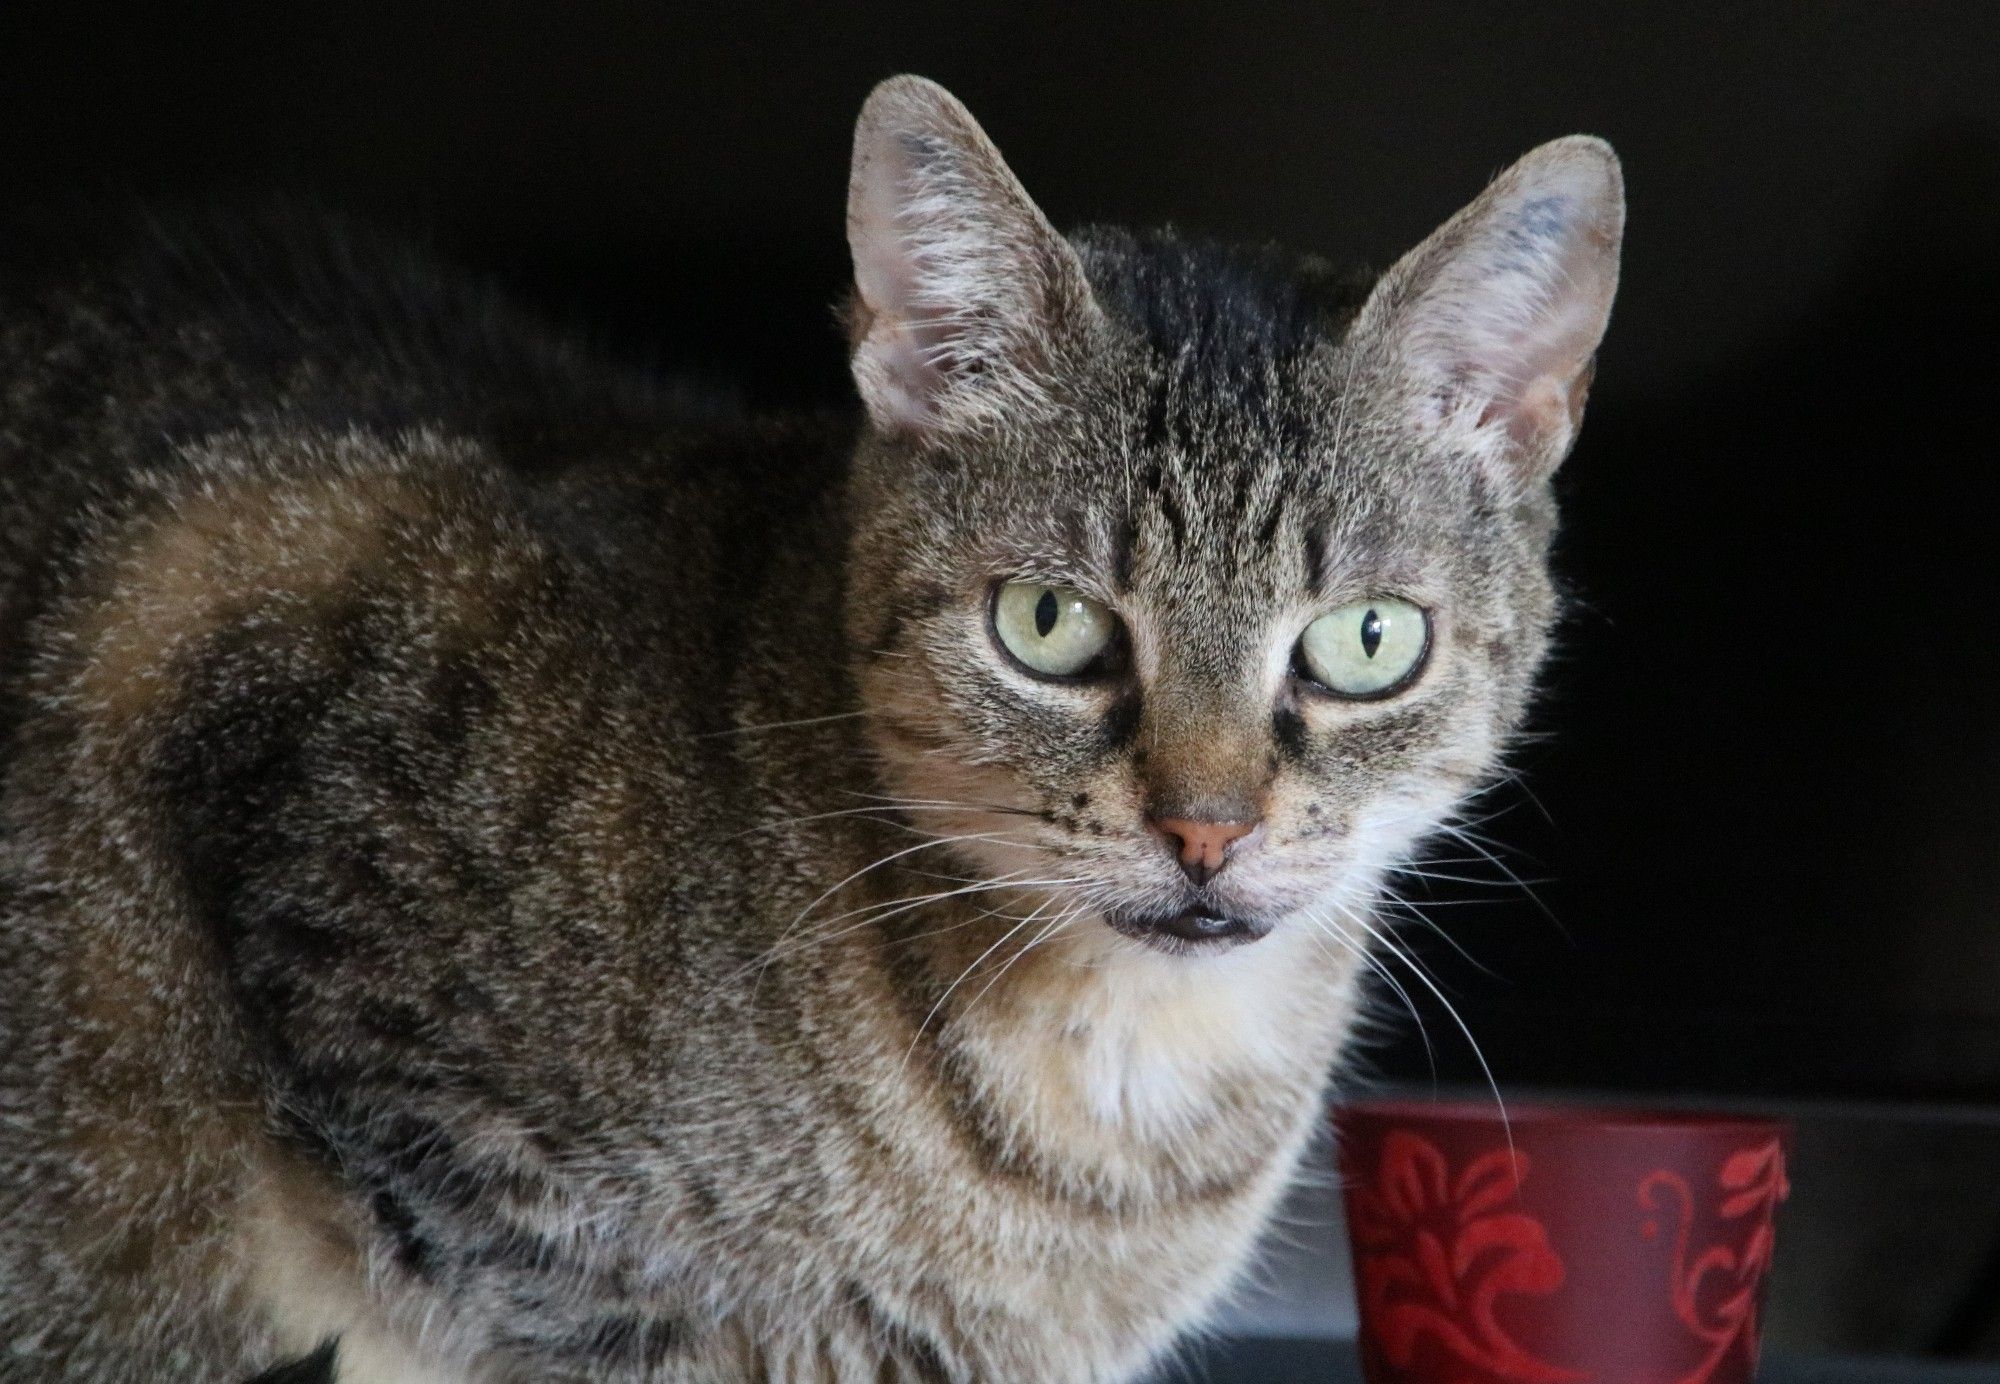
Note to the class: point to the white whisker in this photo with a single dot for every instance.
(1416, 969)
(781, 725)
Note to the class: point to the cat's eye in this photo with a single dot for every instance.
(1368, 649)
(1054, 631)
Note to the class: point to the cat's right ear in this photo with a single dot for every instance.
(964, 294)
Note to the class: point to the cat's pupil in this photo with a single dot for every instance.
(1371, 633)
(1046, 612)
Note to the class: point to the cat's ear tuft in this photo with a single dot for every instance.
(964, 294)
(1490, 327)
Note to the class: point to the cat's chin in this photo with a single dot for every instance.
(1201, 930)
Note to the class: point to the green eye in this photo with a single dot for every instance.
(1052, 630)
(1368, 649)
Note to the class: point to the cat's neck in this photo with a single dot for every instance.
(1158, 1076)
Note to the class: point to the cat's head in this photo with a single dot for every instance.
(1195, 582)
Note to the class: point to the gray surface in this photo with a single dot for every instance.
(1302, 1285)
(1892, 1213)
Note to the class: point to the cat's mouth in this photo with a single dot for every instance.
(1196, 930)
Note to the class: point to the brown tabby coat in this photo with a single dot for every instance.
(505, 877)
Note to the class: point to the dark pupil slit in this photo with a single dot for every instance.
(1371, 633)
(1045, 614)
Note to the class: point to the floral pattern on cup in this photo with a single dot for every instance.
(1723, 1316)
(1435, 1255)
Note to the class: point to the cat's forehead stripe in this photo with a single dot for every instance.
(1267, 532)
(1124, 542)
(1315, 548)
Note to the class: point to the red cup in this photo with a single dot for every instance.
(1602, 1247)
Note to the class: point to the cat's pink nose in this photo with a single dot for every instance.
(1203, 847)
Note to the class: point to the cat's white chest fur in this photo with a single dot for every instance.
(1137, 1044)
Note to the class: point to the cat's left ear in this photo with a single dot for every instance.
(1488, 330)
(965, 297)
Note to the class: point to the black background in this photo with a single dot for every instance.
(1769, 795)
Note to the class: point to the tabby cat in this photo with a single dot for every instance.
(508, 874)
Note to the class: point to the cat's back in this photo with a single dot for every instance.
(113, 322)
(127, 336)
(300, 379)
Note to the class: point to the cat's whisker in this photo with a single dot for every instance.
(881, 911)
(882, 815)
(1003, 809)
(940, 875)
(1520, 781)
(1416, 914)
(1011, 881)
(1096, 899)
(891, 858)
(1048, 931)
(981, 916)
(889, 909)
(1452, 903)
(1417, 969)
(1337, 934)
(1085, 907)
(1467, 830)
(1500, 778)
(781, 725)
(999, 942)
(1458, 833)
(1417, 871)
